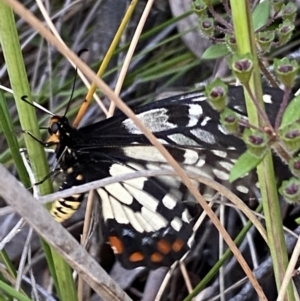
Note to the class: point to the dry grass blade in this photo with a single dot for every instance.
(130, 52)
(289, 272)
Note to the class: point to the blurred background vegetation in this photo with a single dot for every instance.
(167, 61)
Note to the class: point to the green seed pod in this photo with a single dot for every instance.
(285, 31)
(290, 190)
(290, 137)
(216, 93)
(207, 26)
(199, 7)
(242, 66)
(265, 40)
(231, 43)
(230, 121)
(289, 12)
(257, 142)
(286, 71)
(277, 5)
(294, 165)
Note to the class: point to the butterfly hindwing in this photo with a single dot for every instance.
(143, 222)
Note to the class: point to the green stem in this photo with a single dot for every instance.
(12, 140)
(245, 39)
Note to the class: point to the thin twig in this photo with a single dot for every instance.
(262, 114)
(283, 105)
(219, 18)
(226, 6)
(267, 74)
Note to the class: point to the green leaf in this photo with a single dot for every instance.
(215, 51)
(10, 291)
(244, 164)
(261, 14)
(291, 113)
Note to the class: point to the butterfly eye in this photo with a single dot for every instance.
(54, 128)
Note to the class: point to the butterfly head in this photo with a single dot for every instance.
(58, 129)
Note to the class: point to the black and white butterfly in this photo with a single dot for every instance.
(146, 220)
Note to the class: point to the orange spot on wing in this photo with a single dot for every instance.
(177, 245)
(79, 177)
(136, 256)
(163, 246)
(156, 257)
(116, 244)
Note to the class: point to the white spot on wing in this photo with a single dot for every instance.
(226, 165)
(147, 227)
(137, 183)
(199, 97)
(220, 174)
(119, 192)
(191, 240)
(106, 206)
(142, 197)
(219, 153)
(182, 139)
(205, 120)
(200, 171)
(196, 96)
(118, 169)
(156, 220)
(118, 211)
(162, 141)
(176, 224)
(155, 120)
(204, 136)
(185, 216)
(195, 111)
(190, 157)
(169, 201)
(133, 220)
(222, 129)
(267, 98)
(200, 162)
(242, 189)
(144, 152)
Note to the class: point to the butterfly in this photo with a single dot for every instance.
(146, 220)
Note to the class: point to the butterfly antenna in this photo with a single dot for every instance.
(74, 81)
(36, 105)
(73, 88)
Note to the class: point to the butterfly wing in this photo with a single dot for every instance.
(146, 220)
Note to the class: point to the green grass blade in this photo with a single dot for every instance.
(12, 292)
(18, 79)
